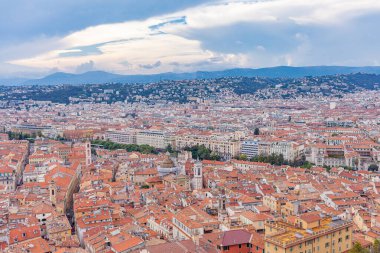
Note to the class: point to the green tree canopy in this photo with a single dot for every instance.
(373, 167)
(203, 153)
(357, 248)
(376, 246)
(145, 149)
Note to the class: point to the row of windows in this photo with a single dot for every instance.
(248, 245)
(347, 237)
(6, 174)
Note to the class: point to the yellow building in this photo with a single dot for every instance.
(290, 208)
(308, 233)
(58, 228)
(225, 147)
(275, 202)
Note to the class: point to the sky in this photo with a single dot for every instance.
(40, 37)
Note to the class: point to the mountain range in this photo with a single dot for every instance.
(99, 77)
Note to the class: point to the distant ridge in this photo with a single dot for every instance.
(98, 77)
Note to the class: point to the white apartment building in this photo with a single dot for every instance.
(123, 137)
(8, 178)
(154, 138)
(250, 148)
(290, 150)
(227, 148)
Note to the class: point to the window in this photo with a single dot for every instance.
(226, 247)
(347, 237)
(239, 246)
(327, 245)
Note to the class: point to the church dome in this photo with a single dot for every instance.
(167, 163)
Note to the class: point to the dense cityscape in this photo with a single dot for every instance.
(185, 91)
(219, 171)
(202, 126)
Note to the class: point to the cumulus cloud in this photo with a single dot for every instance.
(224, 34)
(150, 66)
(85, 67)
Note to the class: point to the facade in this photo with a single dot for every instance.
(308, 233)
(122, 137)
(348, 154)
(58, 228)
(8, 178)
(155, 139)
(192, 222)
(227, 148)
(290, 150)
(197, 182)
(29, 128)
(250, 148)
(235, 241)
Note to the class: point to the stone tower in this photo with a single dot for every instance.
(198, 176)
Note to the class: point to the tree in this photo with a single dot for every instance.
(357, 248)
(169, 148)
(145, 149)
(201, 152)
(214, 156)
(376, 246)
(373, 167)
(257, 131)
(243, 157)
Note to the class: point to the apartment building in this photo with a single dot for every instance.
(308, 233)
(123, 137)
(192, 222)
(154, 138)
(353, 155)
(8, 178)
(225, 147)
(250, 148)
(289, 149)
